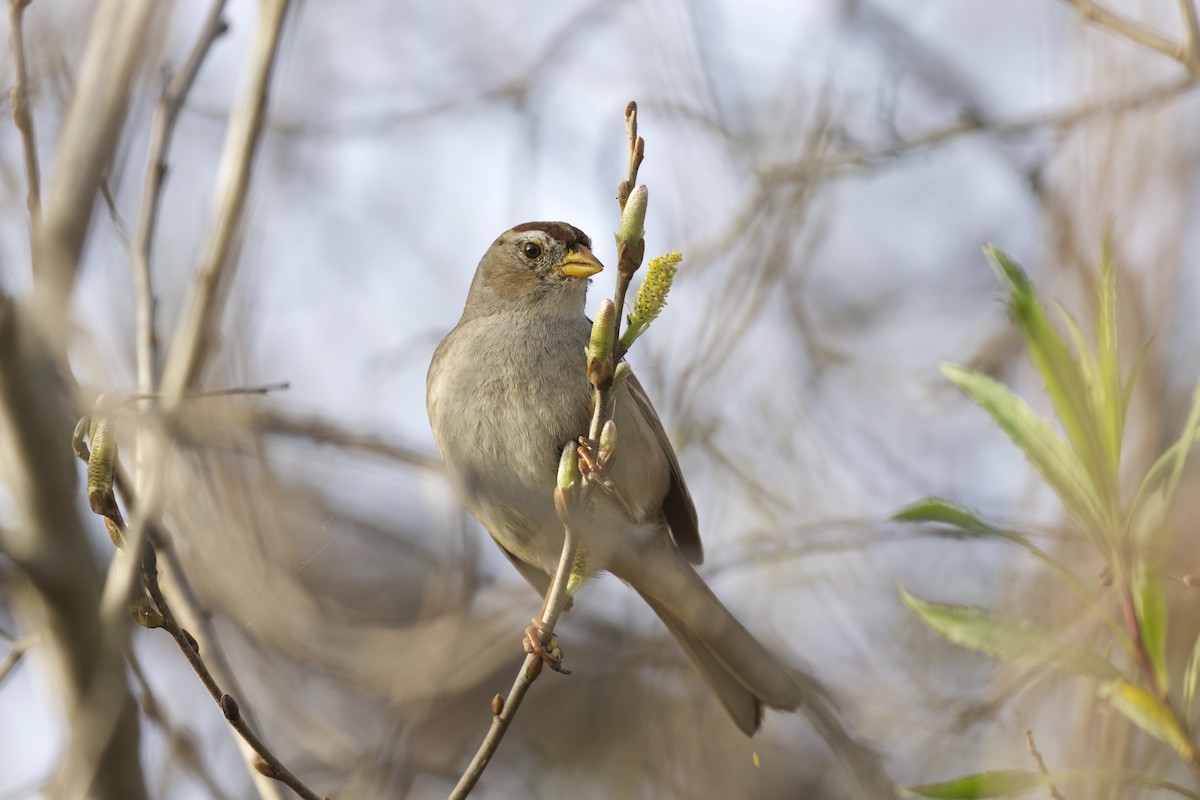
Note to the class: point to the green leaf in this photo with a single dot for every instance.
(986, 632)
(1108, 388)
(1190, 677)
(1016, 782)
(1150, 603)
(1157, 489)
(1062, 374)
(1148, 712)
(1037, 439)
(1134, 372)
(935, 509)
(999, 783)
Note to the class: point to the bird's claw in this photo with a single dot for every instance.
(544, 644)
(593, 465)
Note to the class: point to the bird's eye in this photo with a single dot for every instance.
(531, 250)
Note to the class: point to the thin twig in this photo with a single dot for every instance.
(1041, 764)
(52, 551)
(21, 112)
(1191, 27)
(271, 765)
(117, 42)
(166, 113)
(216, 667)
(1131, 29)
(504, 710)
(15, 653)
(201, 315)
(234, 391)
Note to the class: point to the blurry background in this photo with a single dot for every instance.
(829, 170)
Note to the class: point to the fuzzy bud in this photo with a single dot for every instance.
(651, 296)
(568, 467)
(633, 217)
(608, 439)
(600, 346)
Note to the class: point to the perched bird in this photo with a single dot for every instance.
(507, 390)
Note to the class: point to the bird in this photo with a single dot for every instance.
(506, 391)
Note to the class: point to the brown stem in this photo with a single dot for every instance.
(1131, 29)
(206, 300)
(274, 768)
(166, 113)
(552, 608)
(21, 112)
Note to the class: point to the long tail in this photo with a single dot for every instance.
(743, 673)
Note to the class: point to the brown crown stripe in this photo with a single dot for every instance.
(567, 234)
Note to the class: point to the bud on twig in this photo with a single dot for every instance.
(633, 217)
(608, 441)
(568, 468)
(600, 347)
(100, 467)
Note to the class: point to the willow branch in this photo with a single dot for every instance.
(270, 765)
(166, 113)
(505, 709)
(21, 112)
(202, 312)
(118, 39)
(1131, 29)
(51, 549)
(1191, 26)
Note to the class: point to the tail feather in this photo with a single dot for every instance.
(723, 650)
(745, 709)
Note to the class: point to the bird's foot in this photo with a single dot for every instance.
(544, 644)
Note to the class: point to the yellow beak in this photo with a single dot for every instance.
(579, 263)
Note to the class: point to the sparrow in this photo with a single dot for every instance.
(507, 390)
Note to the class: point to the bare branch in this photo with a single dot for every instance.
(202, 312)
(1191, 27)
(1041, 763)
(22, 112)
(270, 764)
(51, 549)
(166, 113)
(503, 710)
(114, 51)
(1131, 29)
(14, 655)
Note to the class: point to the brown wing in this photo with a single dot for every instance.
(677, 506)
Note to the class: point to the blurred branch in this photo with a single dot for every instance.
(1058, 121)
(21, 112)
(116, 43)
(1129, 28)
(1191, 32)
(322, 431)
(217, 669)
(183, 749)
(15, 653)
(1041, 764)
(202, 312)
(268, 764)
(52, 551)
(1138, 33)
(137, 552)
(166, 113)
